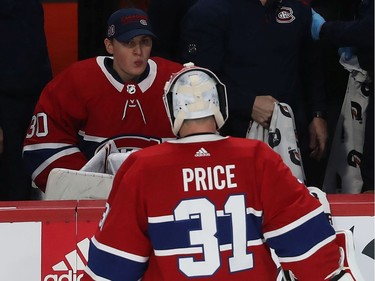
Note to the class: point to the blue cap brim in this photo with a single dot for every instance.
(127, 36)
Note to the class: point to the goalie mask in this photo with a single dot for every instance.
(194, 93)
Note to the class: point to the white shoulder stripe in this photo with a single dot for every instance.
(117, 252)
(294, 224)
(310, 252)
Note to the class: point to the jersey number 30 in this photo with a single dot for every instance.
(235, 208)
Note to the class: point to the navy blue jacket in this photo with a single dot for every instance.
(255, 50)
(357, 33)
(165, 17)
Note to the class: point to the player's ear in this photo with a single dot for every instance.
(108, 45)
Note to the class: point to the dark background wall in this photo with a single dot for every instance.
(75, 29)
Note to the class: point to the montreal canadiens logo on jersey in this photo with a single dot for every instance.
(285, 15)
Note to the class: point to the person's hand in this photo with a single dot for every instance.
(348, 52)
(1, 141)
(318, 131)
(263, 109)
(316, 24)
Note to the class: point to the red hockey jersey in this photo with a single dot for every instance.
(85, 105)
(209, 208)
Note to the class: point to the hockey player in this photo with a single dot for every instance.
(101, 98)
(207, 207)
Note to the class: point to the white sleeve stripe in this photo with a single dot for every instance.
(94, 276)
(117, 252)
(52, 145)
(52, 159)
(294, 224)
(310, 252)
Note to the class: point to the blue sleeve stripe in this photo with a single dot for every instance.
(117, 252)
(38, 156)
(308, 253)
(94, 276)
(294, 224)
(53, 158)
(112, 264)
(300, 240)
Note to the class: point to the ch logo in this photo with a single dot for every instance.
(285, 15)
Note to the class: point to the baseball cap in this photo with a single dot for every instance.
(125, 24)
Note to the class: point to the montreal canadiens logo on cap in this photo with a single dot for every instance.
(285, 15)
(134, 19)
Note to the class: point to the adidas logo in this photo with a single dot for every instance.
(73, 266)
(202, 153)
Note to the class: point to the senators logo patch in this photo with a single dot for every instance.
(285, 15)
(356, 111)
(354, 158)
(284, 109)
(295, 157)
(274, 138)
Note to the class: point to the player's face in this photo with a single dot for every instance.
(130, 58)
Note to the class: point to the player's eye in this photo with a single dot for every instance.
(144, 42)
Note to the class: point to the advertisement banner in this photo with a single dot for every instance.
(20, 251)
(48, 241)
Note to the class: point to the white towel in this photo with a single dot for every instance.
(98, 163)
(347, 145)
(282, 137)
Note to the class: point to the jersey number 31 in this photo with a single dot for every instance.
(235, 208)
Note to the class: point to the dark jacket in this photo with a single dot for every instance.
(255, 50)
(24, 63)
(358, 34)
